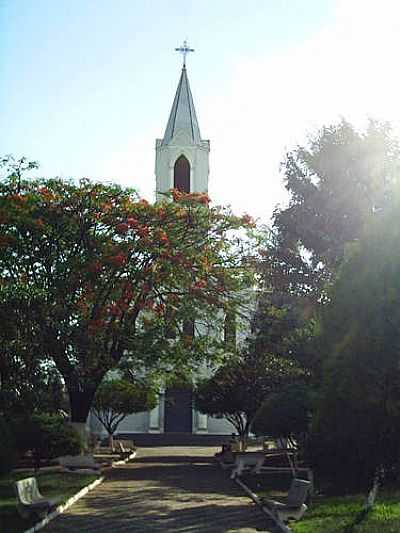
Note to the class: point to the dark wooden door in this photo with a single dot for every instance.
(178, 411)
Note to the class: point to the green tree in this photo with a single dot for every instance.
(8, 451)
(27, 382)
(109, 273)
(286, 413)
(283, 324)
(358, 419)
(238, 388)
(336, 183)
(117, 398)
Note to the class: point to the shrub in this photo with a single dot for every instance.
(8, 453)
(346, 445)
(50, 436)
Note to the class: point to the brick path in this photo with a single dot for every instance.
(164, 490)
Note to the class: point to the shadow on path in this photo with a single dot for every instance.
(182, 492)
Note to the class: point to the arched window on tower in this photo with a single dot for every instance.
(182, 174)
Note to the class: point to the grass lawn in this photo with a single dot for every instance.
(344, 515)
(335, 514)
(50, 484)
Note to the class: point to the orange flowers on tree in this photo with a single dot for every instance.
(103, 261)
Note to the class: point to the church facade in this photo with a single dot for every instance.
(182, 162)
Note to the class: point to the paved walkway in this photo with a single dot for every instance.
(164, 490)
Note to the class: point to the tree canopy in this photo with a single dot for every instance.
(238, 388)
(104, 273)
(336, 183)
(115, 399)
(359, 414)
(27, 383)
(286, 413)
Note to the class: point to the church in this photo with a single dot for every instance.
(182, 162)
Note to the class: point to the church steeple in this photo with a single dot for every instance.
(182, 155)
(182, 120)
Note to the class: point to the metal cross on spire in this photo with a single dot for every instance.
(184, 50)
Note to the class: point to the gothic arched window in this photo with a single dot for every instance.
(182, 174)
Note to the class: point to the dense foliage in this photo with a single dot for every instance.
(286, 413)
(359, 415)
(238, 388)
(117, 398)
(341, 186)
(8, 451)
(336, 182)
(47, 437)
(102, 273)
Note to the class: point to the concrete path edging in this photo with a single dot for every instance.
(63, 507)
(124, 461)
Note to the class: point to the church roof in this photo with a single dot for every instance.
(182, 118)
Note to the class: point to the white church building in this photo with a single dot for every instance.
(182, 161)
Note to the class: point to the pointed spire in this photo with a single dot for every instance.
(182, 119)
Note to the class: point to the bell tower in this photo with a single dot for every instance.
(182, 163)
(182, 155)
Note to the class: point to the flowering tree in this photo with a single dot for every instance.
(110, 272)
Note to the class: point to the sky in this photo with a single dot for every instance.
(86, 86)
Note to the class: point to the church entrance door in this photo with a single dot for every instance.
(178, 411)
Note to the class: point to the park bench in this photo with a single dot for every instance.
(294, 507)
(226, 458)
(289, 455)
(82, 464)
(247, 461)
(124, 446)
(293, 467)
(29, 499)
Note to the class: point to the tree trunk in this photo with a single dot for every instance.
(372, 494)
(36, 461)
(243, 436)
(81, 429)
(80, 404)
(242, 428)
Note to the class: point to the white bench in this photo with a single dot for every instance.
(29, 499)
(82, 464)
(294, 507)
(247, 461)
(119, 446)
